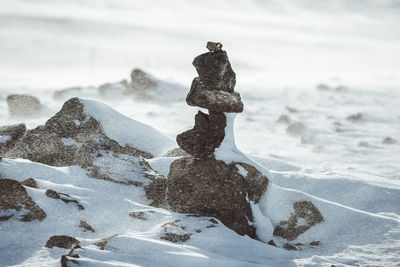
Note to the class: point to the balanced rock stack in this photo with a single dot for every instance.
(200, 184)
(213, 90)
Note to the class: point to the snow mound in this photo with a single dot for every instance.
(127, 132)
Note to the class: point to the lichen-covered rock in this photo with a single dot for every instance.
(208, 187)
(23, 105)
(304, 217)
(9, 135)
(15, 201)
(62, 241)
(206, 135)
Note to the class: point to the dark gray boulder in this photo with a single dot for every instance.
(23, 105)
(208, 187)
(304, 217)
(9, 135)
(15, 201)
(62, 241)
(206, 135)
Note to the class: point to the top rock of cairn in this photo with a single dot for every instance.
(214, 88)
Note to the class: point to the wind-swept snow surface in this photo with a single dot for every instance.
(320, 85)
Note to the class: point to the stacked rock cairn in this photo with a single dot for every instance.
(213, 89)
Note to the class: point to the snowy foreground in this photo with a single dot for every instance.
(361, 215)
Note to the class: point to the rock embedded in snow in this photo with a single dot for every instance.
(389, 141)
(208, 187)
(30, 182)
(304, 217)
(85, 226)
(62, 241)
(9, 135)
(92, 135)
(102, 243)
(64, 197)
(141, 84)
(15, 201)
(23, 105)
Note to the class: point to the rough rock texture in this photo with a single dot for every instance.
(304, 217)
(214, 100)
(23, 105)
(215, 71)
(30, 182)
(213, 89)
(155, 191)
(206, 135)
(175, 232)
(68, 259)
(9, 135)
(62, 241)
(14, 200)
(208, 187)
(71, 137)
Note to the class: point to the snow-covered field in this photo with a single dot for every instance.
(281, 52)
